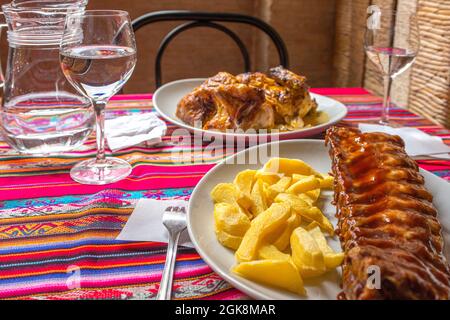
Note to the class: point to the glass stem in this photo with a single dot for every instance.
(99, 107)
(386, 99)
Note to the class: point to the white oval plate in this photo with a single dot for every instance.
(166, 98)
(221, 259)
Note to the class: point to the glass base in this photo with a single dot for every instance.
(93, 172)
(389, 123)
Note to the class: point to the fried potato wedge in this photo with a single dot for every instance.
(268, 177)
(304, 185)
(293, 200)
(320, 240)
(326, 181)
(288, 166)
(332, 259)
(279, 187)
(312, 225)
(229, 193)
(315, 214)
(270, 252)
(228, 240)
(229, 218)
(306, 254)
(258, 197)
(297, 177)
(313, 195)
(278, 273)
(282, 242)
(267, 222)
(303, 209)
(244, 181)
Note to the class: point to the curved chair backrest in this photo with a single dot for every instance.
(208, 19)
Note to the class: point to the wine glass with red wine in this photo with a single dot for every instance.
(391, 43)
(98, 55)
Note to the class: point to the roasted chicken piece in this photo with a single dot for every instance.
(248, 101)
(387, 223)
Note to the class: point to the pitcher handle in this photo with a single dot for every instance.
(2, 25)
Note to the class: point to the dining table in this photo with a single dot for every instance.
(58, 237)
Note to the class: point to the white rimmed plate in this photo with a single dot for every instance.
(221, 259)
(166, 98)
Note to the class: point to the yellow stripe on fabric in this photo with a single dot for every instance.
(64, 216)
(86, 234)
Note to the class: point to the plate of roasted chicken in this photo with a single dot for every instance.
(348, 217)
(276, 104)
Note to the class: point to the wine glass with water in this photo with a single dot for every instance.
(391, 43)
(98, 55)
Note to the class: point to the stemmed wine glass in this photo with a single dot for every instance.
(98, 56)
(389, 48)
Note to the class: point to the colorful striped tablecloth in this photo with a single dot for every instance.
(57, 236)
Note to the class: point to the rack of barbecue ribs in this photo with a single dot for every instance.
(279, 100)
(387, 223)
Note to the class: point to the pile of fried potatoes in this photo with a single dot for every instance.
(270, 218)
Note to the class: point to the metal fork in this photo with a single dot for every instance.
(175, 223)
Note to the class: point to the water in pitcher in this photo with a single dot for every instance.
(46, 123)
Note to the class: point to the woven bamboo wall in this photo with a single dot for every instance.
(430, 76)
(425, 88)
(349, 56)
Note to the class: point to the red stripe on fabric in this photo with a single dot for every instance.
(435, 166)
(339, 91)
(54, 185)
(138, 96)
(65, 177)
(77, 189)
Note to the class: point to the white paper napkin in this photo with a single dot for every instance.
(145, 222)
(130, 130)
(417, 142)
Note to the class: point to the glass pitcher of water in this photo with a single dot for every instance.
(41, 113)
